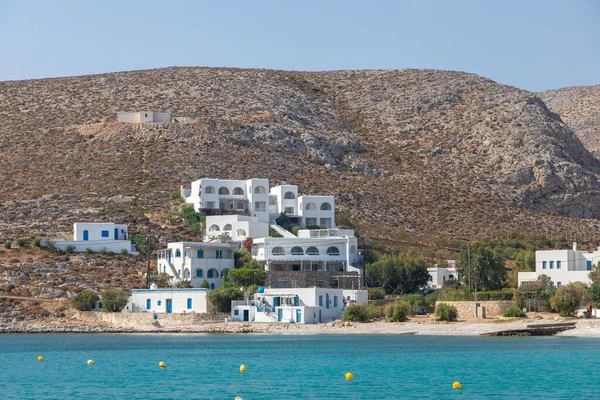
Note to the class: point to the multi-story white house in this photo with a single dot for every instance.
(196, 262)
(98, 236)
(238, 227)
(307, 305)
(562, 266)
(438, 274)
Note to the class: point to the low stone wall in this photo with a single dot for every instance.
(133, 320)
(466, 309)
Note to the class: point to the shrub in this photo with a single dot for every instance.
(415, 301)
(124, 252)
(50, 244)
(205, 285)
(89, 251)
(513, 312)
(183, 284)
(568, 298)
(175, 195)
(376, 293)
(295, 230)
(594, 294)
(363, 312)
(221, 297)
(37, 242)
(84, 300)
(445, 312)
(398, 311)
(70, 249)
(113, 300)
(7, 244)
(21, 242)
(103, 250)
(274, 233)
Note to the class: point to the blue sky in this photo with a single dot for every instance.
(532, 44)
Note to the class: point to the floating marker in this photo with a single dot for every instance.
(238, 398)
(91, 362)
(40, 358)
(162, 364)
(456, 385)
(242, 368)
(349, 376)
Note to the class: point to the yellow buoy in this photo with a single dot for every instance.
(238, 398)
(349, 376)
(40, 358)
(456, 385)
(91, 362)
(242, 368)
(162, 364)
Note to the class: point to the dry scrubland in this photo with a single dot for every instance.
(409, 153)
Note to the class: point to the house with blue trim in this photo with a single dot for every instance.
(169, 300)
(98, 236)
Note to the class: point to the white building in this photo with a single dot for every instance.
(332, 250)
(562, 266)
(307, 305)
(196, 262)
(98, 236)
(139, 117)
(438, 275)
(169, 301)
(239, 227)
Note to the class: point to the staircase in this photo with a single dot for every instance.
(174, 271)
(281, 231)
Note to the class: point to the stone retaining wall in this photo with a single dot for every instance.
(131, 320)
(466, 309)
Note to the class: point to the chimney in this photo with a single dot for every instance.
(574, 246)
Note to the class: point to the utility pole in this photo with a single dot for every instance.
(469, 263)
(148, 254)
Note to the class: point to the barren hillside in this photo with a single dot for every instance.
(579, 107)
(417, 152)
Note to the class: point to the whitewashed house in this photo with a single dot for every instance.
(562, 266)
(238, 227)
(196, 262)
(98, 236)
(140, 117)
(438, 274)
(169, 301)
(307, 305)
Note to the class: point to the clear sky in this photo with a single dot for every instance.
(531, 44)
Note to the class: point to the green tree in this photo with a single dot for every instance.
(248, 276)
(535, 295)
(524, 262)
(141, 243)
(594, 294)
(376, 293)
(594, 274)
(113, 300)
(84, 300)
(487, 270)
(398, 274)
(568, 298)
(221, 297)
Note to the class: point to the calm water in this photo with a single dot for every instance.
(296, 367)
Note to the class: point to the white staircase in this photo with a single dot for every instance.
(281, 231)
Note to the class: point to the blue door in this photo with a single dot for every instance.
(169, 306)
(298, 316)
(279, 314)
(148, 304)
(86, 235)
(319, 316)
(169, 253)
(116, 234)
(327, 300)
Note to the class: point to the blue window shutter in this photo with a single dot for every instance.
(105, 234)
(148, 304)
(200, 253)
(189, 304)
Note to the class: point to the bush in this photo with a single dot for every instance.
(594, 294)
(124, 252)
(513, 312)
(415, 301)
(37, 242)
(89, 251)
(70, 249)
(84, 300)
(113, 300)
(103, 250)
(7, 244)
(175, 195)
(445, 312)
(21, 242)
(398, 311)
(50, 244)
(221, 297)
(205, 285)
(183, 284)
(274, 233)
(363, 312)
(376, 293)
(568, 298)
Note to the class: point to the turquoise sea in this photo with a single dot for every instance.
(296, 367)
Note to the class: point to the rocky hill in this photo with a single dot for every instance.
(406, 153)
(579, 107)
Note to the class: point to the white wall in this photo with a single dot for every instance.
(251, 227)
(317, 216)
(95, 230)
(438, 275)
(575, 266)
(111, 246)
(179, 298)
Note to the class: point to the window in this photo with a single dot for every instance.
(219, 254)
(240, 232)
(326, 222)
(335, 301)
(325, 206)
(200, 254)
(210, 273)
(588, 265)
(297, 251)
(177, 253)
(312, 251)
(238, 191)
(320, 301)
(321, 284)
(295, 284)
(289, 195)
(260, 190)
(278, 251)
(280, 284)
(557, 284)
(185, 253)
(158, 302)
(224, 273)
(212, 286)
(223, 191)
(310, 206)
(214, 228)
(260, 206)
(543, 264)
(227, 227)
(333, 251)
(146, 115)
(289, 210)
(551, 264)
(311, 222)
(104, 233)
(189, 304)
(99, 305)
(209, 190)
(558, 265)
(295, 267)
(210, 204)
(198, 273)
